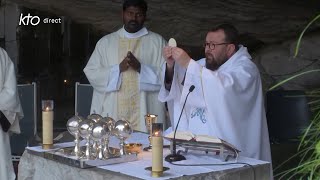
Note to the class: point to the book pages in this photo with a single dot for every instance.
(206, 138)
(183, 135)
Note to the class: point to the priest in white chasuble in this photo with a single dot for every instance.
(227, 101)
(125, 70)
(10, 114)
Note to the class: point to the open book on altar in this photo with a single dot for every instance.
(186, 136)
(189, 136)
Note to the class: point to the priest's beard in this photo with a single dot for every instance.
(213, 63)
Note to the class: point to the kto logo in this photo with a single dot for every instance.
(25, 20)
(35, 20)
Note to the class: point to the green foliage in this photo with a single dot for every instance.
(309, 147)
(293, 77)
(302, 33)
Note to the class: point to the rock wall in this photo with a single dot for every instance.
(276, 62)
(188, 21)
(263, 23)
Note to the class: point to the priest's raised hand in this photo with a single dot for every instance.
(181, 57)
(167, 54)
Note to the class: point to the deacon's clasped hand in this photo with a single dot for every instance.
(124, 65)
(130, 61)
(175, 54)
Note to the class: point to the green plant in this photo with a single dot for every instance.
(309, 147)
(302, 33)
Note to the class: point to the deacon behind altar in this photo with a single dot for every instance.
(10, 113)
(125, 70)
(227, 101)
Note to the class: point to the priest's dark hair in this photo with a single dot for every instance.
(136, 3)
(231, 33)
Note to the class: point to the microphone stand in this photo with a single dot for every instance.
(174, 156)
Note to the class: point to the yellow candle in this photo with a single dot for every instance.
(47, 129)
(157, 153)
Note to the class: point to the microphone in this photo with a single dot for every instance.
(174, 156)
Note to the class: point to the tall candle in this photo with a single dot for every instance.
(157, 150)
(47, 124)
(157, 153)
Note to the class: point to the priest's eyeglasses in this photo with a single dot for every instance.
(212, 46)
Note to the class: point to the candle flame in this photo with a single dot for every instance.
(157, 133)
(47, 109)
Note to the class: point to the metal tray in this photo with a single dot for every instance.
(63, 156)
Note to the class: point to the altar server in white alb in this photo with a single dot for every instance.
(227, 101)
(125, 70)
(10, 113)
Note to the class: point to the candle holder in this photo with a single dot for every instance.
(47, 124)
(149, 120)
(157, 150)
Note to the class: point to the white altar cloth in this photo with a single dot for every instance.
(36, 168)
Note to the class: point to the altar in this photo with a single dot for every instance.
(196, 166)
